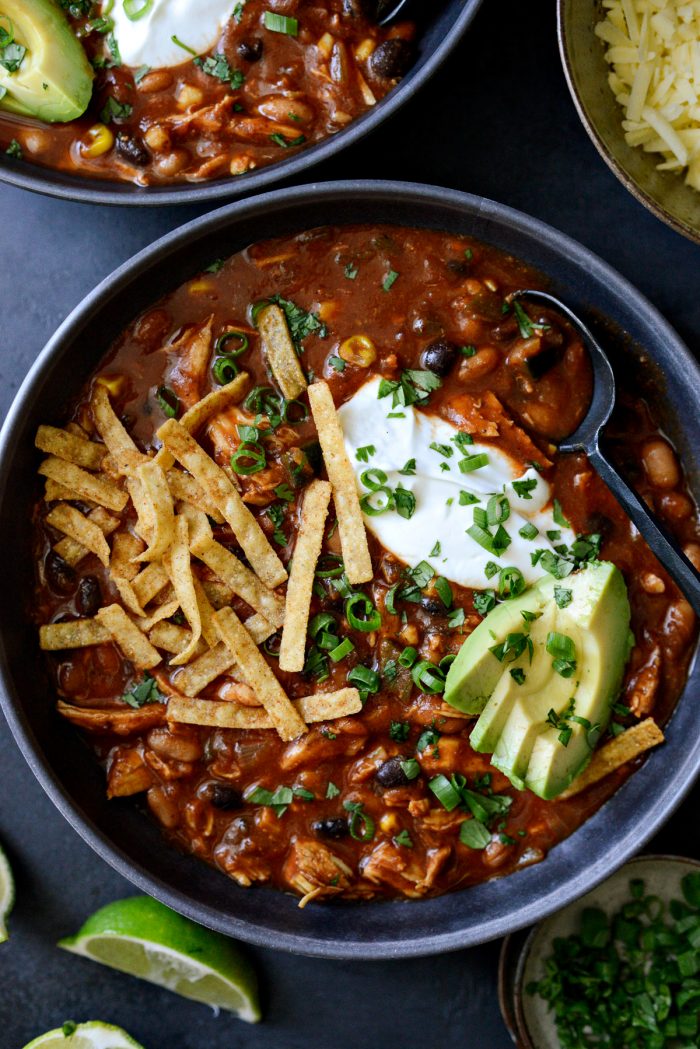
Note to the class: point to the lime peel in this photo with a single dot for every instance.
(91, 1035)
(142, 937)
(7, 894)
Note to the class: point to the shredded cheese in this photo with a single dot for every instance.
(653, 48)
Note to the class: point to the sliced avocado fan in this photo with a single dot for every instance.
(44, 71)
(542, 671)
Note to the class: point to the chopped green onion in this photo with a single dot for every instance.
(446, 794)
(280, 23)
(361, 613)
(248, 459)
(342, 650)
(168, 401)
(428, 677)
(135, 9)
(473, 462)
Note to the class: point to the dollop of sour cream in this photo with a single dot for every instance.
(148, 40)
(436, 532)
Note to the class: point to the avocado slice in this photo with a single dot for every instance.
(537, 750)
(54, 79)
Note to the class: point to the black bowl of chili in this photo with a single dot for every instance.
(438, 30)
(637, 337)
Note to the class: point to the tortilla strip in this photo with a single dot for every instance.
(81, 633)
(73, 552)
(198, 525)
(301, 579)
(128, 637)
(125, 455)
(214, 402)
(280, 352)
(616, 752)
(223, 714)
(80, 528)
(173, 638)
(351, 526)
(125, 548)
(161, 612)
(84, 485)
(217, 486)
(69, 447)
(218, 660)
(217, 592)
(126, 593)
(185, 489)
(286, 718)
(206, 612)
(148, 583)
(161, 516)
(55, 492)
(178, 565)
(242, 581)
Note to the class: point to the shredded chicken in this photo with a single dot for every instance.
(122, 721)
(313, 870)
(127, 774)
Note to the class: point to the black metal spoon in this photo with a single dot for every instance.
(586, 438)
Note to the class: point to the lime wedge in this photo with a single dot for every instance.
(93, 1035)
(7, 894)
(144, 938)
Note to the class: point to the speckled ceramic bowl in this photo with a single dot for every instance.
(523, 955)
(583, 55)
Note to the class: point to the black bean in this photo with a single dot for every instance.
(361, 8)
(429, 604)
(89, 597)
(222, 797)
(331, 828)
(391, 774)
(505, 329)
(251, 50)
(439, 356)
(459, 266)
(392, 59)
(131, 148)
(59, 574)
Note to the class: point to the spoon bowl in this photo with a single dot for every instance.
(587, 438)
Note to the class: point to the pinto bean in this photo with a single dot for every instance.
(171, 163)
(156, 80)
(163, 807)
(282, 110)
(176, 748)
(675, 506)
(679, 625)
(661, 464)
(480, 364)
(692, 552)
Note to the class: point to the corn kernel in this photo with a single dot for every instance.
(99, 140)
(365, 49)
(200, 287)
(490, 284)
(327, 310)
(325, 45)
(389, 823)
(359, 350)
(113, 383)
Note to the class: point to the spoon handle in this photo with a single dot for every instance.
(660, 542)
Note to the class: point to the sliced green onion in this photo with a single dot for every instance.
(168, 401)
(289, 410)
(280, 23)
(473, 462)
(482, 537)
(272, 645)
(428, 677)
(342, 650)
(446, 794)
(408, 657)
(374, 509)
(329, 566)
(364, 678)
(135, 9)
(444, 591)
(220, 344)
(474, 834)
(373, 479)
(248, 459)
(511, 582)
(361, 825)
(321, 622)
(361, 613)
(224, 370)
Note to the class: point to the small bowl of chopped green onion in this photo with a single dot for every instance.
(620, 967)
(631, 72)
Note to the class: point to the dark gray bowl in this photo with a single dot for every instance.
(583, 56)
(117, 830)
(441, 26)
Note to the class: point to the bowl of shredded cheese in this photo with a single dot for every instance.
(633, 68)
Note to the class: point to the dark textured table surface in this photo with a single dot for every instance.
(496, 121)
